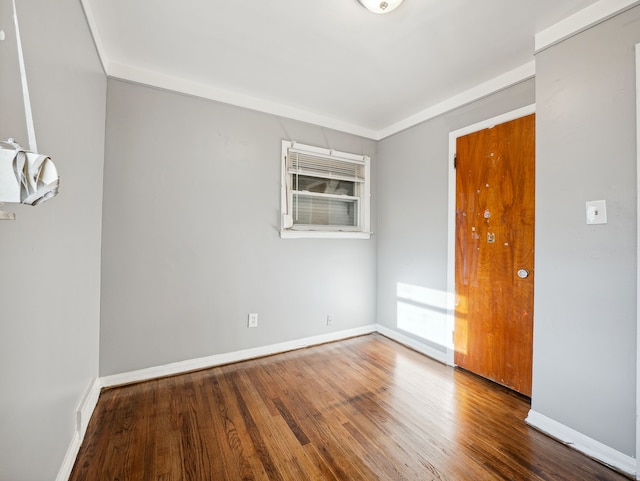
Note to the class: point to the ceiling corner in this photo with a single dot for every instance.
(580, 21)
(93, 28)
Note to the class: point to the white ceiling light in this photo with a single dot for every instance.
(380, 6)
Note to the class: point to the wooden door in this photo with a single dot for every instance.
(495, 195)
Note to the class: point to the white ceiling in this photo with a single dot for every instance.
(329, 62)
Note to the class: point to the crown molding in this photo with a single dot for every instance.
(501, 82)
(580, 21)
(197, 89)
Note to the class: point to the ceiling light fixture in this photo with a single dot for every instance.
(380, 6)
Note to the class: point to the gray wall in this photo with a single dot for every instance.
(191, 242)
(585, 308)
(50, 256)
(412, 193)
(585, 300)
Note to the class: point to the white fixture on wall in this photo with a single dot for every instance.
(596, 212)
(380, 6)
(26, 177)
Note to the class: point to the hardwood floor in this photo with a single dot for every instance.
(361, 409)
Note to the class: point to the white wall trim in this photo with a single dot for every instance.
(501, 82)
(69, 458)
(83, 415)
(554, 429)
(407, 341)
(87, 405)
(210, 92)
(566, 28)
(177, 84)
(230, 357)
(90, 399)
(586, 445)
(638, 264)
(580, 21)
(451, 226)
(310, 234)
(93, 27)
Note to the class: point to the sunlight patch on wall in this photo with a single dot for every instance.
(423, 312)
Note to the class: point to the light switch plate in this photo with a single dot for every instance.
(596, 212)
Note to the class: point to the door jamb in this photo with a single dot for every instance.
(638, 266)
(451, 227)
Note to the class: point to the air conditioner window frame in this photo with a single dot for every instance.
(351, 167)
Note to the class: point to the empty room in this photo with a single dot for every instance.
(331, 240)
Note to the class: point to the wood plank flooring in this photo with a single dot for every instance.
(361, 409)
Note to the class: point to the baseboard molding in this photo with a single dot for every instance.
(69, 458)
(562, 433)
(87, 405)
(227, 358)
(421, 347)
(578, 441)
(83, 415)
(90, 399)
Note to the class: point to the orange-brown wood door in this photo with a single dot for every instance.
(495, 194)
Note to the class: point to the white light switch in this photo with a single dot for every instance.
(596, 212)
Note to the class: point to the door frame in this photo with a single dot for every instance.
(638, 263)
(451, 226)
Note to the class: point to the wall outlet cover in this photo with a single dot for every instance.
(596, 212)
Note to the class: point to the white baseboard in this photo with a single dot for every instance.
(90, 399)
(578, 441)
(226, 358)
(69, 458)
(422, 348)
(87, 405)
(562, 433)
(83, 415)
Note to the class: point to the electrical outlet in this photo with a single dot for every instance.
(253, 320)
(597, 212)
(329, 320)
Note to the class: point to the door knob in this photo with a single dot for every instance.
(523, 273)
